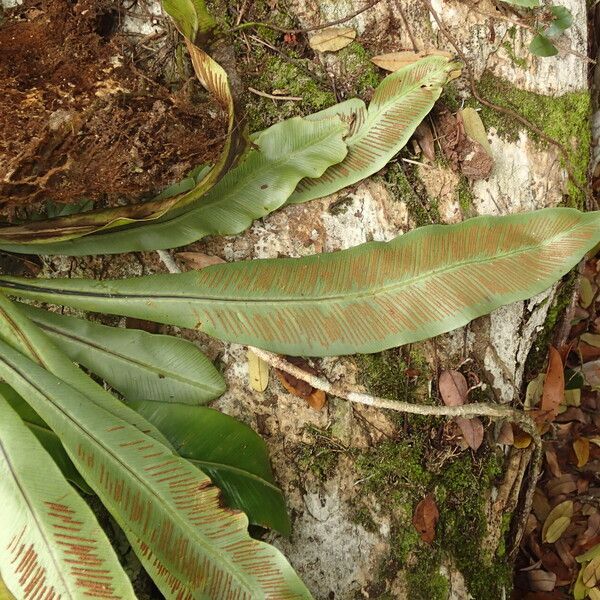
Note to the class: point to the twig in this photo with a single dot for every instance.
(407, 25)
(416, 162)
(520, 23)
(307, 29)
(168, 261)
(273, 96)
(478, 409)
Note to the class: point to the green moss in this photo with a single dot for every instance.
(564, 118)
(450, 97)
(425, 581)
(321, 457)
(537, 356)
(292, 78)
(359, 74)
(400, 472)
(509, 47)
(465, 197)
(406, 186)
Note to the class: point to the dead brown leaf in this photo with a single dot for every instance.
(316, 398)
(541, 581)
(521, 438)
(453, 388)
(553, 394)
(557, 521)
(424, 137)
(393, 61)
(472, 430)
(425, 518)
(198, 260)
(506, 435)
(581, 447)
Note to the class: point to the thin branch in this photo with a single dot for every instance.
(168, 261)
(273, 96)
(493, 411)
(307, 29)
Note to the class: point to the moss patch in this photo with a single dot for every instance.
(320, 457)
(564, 118)
(406, 186)
(537, 356)
(400, 472)
(360, 76)
(290, 78)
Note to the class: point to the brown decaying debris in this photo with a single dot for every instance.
(80, 119)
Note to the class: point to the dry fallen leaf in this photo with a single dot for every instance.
(475, 129)
(424, 137)
(453, 388)
(197, 260)
(533, 394)
(505, 435)
(591, 373)
(557, 521)
(332, 39)
(397, 60)
(581, 447)
(521, 438)
(553, 394)
(316, 398)
(541, 581)
(258, 372)
(425, 518)
(591, 572)
(472, 430)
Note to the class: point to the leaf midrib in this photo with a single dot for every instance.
(84, 342)
(186, 526)
(232, 469)
(40, 530)
(389, 288)
(375, 115)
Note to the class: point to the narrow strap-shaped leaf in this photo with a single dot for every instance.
(285, 153)
(156, 495)
(229, 452)
(18, 331)
(399, 104)
(371, 297)
(47, 438)
(51, 545)
(140, 365)
(190, 16)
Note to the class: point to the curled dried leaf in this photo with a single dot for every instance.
(258, 372)
(553, 393)
(581, 447)
(198, 260)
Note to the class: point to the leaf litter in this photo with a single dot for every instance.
(560, 551)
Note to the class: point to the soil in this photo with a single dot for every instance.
(83, 119)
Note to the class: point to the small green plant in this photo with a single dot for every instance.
(549, 24)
